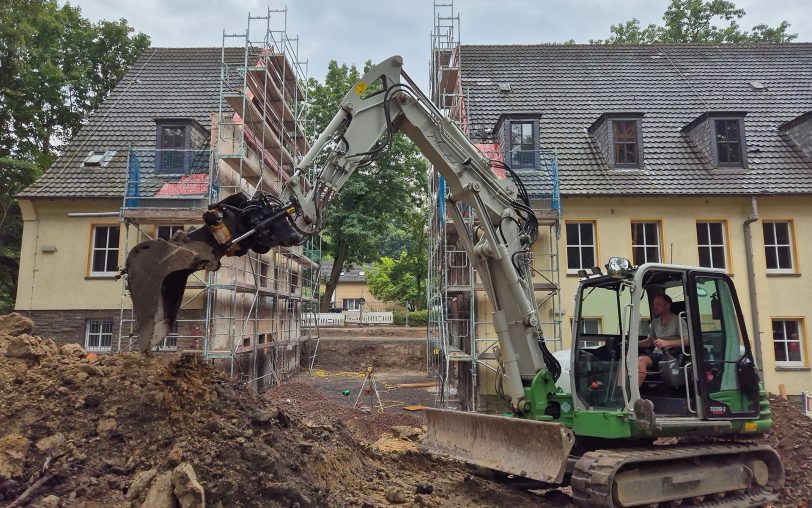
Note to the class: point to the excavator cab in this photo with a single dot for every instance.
(708, 373)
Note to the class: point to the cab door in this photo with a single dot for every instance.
(729, 383)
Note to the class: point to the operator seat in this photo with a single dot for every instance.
(671, 371)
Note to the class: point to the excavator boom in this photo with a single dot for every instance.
(386, 101)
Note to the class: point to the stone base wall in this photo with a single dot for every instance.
(69, 326)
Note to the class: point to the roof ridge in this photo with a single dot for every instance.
(638, 46)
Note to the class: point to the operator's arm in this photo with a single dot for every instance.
(666, 343)
(651, 338)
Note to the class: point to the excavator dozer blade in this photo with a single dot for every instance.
(528, 448)
(157, 271)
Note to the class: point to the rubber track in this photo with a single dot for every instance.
(593, 475)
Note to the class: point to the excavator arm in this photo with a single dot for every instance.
(499, 247)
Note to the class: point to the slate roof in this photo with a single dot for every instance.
(351, 274)
(162, 83)
(569, 87)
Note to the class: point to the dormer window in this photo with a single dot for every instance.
(618, 138)
(799, 132)
(719, 136)
(728, 141)
(625, 141)
(181, 146)
(173, 146)
(522, 144)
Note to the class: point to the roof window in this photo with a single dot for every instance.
(94, 159)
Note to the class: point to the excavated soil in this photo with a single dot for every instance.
(791, 436)
(134, 430)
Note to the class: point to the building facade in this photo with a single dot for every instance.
(184, 128)
(352, 290)
(688, 154)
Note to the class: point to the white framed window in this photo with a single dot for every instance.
(98, 335)
(626, 143)
(522, 145)
(788, 342)
(168, 231)
(646, 242)
(352, 303)
(581, 246)
(778, 246)
(591, 326)
(711, 240)
(104, 251)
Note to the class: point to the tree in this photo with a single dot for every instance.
(56, 67)
(391, 280)
(402, 277)
(697, 21)
(361, 214)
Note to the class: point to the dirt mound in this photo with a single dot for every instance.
(133, 430)
(791, 436)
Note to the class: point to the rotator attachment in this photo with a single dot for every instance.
(157, 270)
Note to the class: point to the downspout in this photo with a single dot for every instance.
(751, 279)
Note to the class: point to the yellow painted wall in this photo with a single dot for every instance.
(60, 280)
(346, 289)
(778, 295)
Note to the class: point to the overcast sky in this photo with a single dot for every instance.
(353, 31)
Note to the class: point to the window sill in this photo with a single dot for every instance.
(783, 274)
(788, 368)
(102, 277)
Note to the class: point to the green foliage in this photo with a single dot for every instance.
(392, 280)
(416, 318)
(697, 21)
(57, 67)
(14, 176)
(376, 196)
(402, 279)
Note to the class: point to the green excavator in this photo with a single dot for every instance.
(685, 431)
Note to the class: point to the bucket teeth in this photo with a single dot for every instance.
(157, 271)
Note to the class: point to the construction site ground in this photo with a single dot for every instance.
(164, 430)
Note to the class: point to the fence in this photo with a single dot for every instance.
(806, 398)
(352, 316)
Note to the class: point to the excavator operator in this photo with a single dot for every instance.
(664, 334)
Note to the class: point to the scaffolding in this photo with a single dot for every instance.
(255, 315)
(461, 340)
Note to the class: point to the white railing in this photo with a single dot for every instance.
(806, 397)
(348, 316)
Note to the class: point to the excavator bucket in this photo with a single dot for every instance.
(527, 448)
(157, 271)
